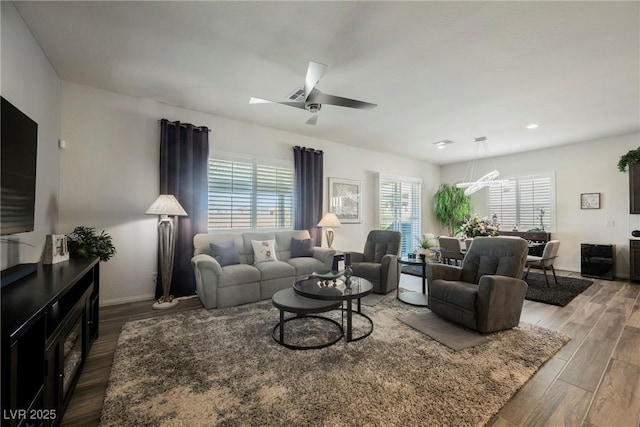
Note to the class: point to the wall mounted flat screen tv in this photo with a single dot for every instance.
(19, 141)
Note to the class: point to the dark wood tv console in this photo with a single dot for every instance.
(49, 321)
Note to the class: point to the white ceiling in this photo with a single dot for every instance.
(438, 70)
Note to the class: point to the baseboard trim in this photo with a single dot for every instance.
(148, 297)
(116, 301)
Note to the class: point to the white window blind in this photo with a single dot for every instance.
(245, 195)
(521, 200)
(399, 201)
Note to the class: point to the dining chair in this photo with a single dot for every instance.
(545, 262)
(450, 251)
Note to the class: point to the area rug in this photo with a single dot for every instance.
(559, 294)
(453, 336)
(223, 368)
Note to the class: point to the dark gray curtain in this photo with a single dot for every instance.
(308, 191)
(184, 154)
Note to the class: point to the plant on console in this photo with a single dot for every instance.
(85, 243)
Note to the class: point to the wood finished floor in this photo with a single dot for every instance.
(594, 380)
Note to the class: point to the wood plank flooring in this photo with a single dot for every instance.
(594, 380)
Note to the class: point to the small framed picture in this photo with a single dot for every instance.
(590, 201)
(344, 199)
(55, 249)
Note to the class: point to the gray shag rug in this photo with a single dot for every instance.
(223, 368)
(559, 294)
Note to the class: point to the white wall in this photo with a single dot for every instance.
(588, 167)
(109, 176)
(31, 84)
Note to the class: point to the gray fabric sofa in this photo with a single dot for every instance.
(245, 282)
(486, 293)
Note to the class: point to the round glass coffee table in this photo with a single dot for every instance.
(412, 297)
(325, 290)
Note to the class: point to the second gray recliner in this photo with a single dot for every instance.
(486, 292)
(378, 263)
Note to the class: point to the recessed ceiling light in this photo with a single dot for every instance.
(532, 126)
(441, 144)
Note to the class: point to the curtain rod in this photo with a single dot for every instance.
(182, 125)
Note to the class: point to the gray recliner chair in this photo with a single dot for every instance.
(378, 263)
(486, 293)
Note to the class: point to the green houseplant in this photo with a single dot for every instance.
(452, 206)
(85, 243)
(629, 159)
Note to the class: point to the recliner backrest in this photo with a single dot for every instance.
(504, 256)
(380, 243)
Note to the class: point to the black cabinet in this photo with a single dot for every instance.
(634, 260)
(634, 189)
(597, 260)
(49, 321)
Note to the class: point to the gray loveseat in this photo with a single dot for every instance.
(245, 282)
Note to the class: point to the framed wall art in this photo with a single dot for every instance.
(345, 200)
(590, 201)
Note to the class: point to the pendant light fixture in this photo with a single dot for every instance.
(472, 185)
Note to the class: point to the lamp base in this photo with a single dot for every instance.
(161, 304)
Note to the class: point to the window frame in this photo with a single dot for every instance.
(524, 226)
(254, 197)
(407, 246)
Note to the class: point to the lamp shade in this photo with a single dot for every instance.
(329, 220)
(166, 204)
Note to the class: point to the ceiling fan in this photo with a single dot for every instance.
(311, 99)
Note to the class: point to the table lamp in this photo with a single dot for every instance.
(329, 221)
(167, 206)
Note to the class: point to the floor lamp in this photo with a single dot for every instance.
(167, 206)
(329, 221)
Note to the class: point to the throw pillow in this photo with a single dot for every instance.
(264, 250)
(301, 247)
(225, 253)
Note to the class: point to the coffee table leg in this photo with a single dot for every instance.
(281, 327)
(424, 276)
(349, 311)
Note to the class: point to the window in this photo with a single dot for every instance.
(245, 194)
(399, 204)
(521, 201)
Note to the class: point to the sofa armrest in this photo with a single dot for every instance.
(324, 254)
(499, 302)
(207, 272)
(443, 272)
(204, 261)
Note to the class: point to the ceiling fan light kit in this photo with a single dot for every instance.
(311, 99)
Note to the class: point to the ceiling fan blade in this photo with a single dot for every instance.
(322, 98)
(314, 73)
(254, 100)
(312, 120)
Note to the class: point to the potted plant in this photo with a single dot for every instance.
(629, 159)
(452, 206)
(425, 242)
(85, 243)
(474, 227)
